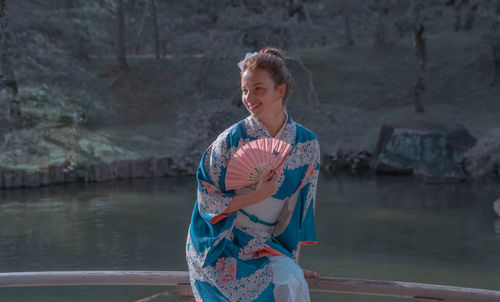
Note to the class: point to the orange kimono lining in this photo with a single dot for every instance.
(267, 252)
(218, 218)
(308, 242)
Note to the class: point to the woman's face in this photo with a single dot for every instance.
(259, 93)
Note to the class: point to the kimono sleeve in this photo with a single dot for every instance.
(307, 230)
(210, 228)
(212, 197)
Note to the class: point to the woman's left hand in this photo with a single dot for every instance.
(310, 274)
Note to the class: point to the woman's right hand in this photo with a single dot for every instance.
(264, 189)
(267, 186)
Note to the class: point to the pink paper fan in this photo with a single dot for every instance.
(254, 160)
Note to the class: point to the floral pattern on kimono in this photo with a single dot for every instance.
(227, 263)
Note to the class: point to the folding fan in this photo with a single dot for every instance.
(254, 160)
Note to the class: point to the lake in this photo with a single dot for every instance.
(373, 227)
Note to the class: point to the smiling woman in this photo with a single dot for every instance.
(244, 244)
(263, 98)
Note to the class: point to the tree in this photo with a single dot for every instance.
(121, 48)
(297, 8)
(465, 11)
(141, 27)
(155, 24)
(347, 10)
(495, 42)
(7, 78)
(382, 9)
(420, 52)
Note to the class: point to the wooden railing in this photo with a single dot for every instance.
(419, 292)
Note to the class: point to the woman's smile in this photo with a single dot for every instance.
(253, 107)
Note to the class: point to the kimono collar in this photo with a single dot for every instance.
(256, 129)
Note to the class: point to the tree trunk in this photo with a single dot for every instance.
(494, 34)
(465, 14)
(7, 79)
(380, 30)
(421, 59)
(470, 15)
(346, 14)
(121, 49)
(418, 93)
(141, 26)
(295, 8)
(2, 7)
(496, 62)
(306, 14)
(157, 36)
(313, 96)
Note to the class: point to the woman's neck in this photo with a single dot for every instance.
(273, 122)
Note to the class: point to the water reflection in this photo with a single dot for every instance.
(374, 227)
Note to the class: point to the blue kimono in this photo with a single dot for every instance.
(229, 264)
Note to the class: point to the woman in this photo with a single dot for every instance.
(244, 245)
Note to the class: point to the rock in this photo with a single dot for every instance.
(142, 168)
(121, 168)
(162, 166)
(484, 157)
(71, 176)
(440, 171)
(496, 207)
(31, 179)
(82, 175)
(430, 150)
(13, 179)
(56, 174)
(44, 177)
(100, 172)
(353, 160)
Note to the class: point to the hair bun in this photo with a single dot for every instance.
(273, 51)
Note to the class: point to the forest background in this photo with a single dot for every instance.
(83, 82)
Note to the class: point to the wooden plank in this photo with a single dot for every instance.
(342, 285)
(186, 299)
(402, 289)
(61, 278)
(184, 290)
(425, 299)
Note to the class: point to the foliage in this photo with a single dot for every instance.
(63, 53)
(199, 126)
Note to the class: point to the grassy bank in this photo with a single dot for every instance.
(359, 89)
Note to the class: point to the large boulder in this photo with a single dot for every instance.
(432, 151)
(484, 158)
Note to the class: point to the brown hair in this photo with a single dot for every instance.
(271, 60)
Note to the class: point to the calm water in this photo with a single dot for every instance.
(386, 228)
